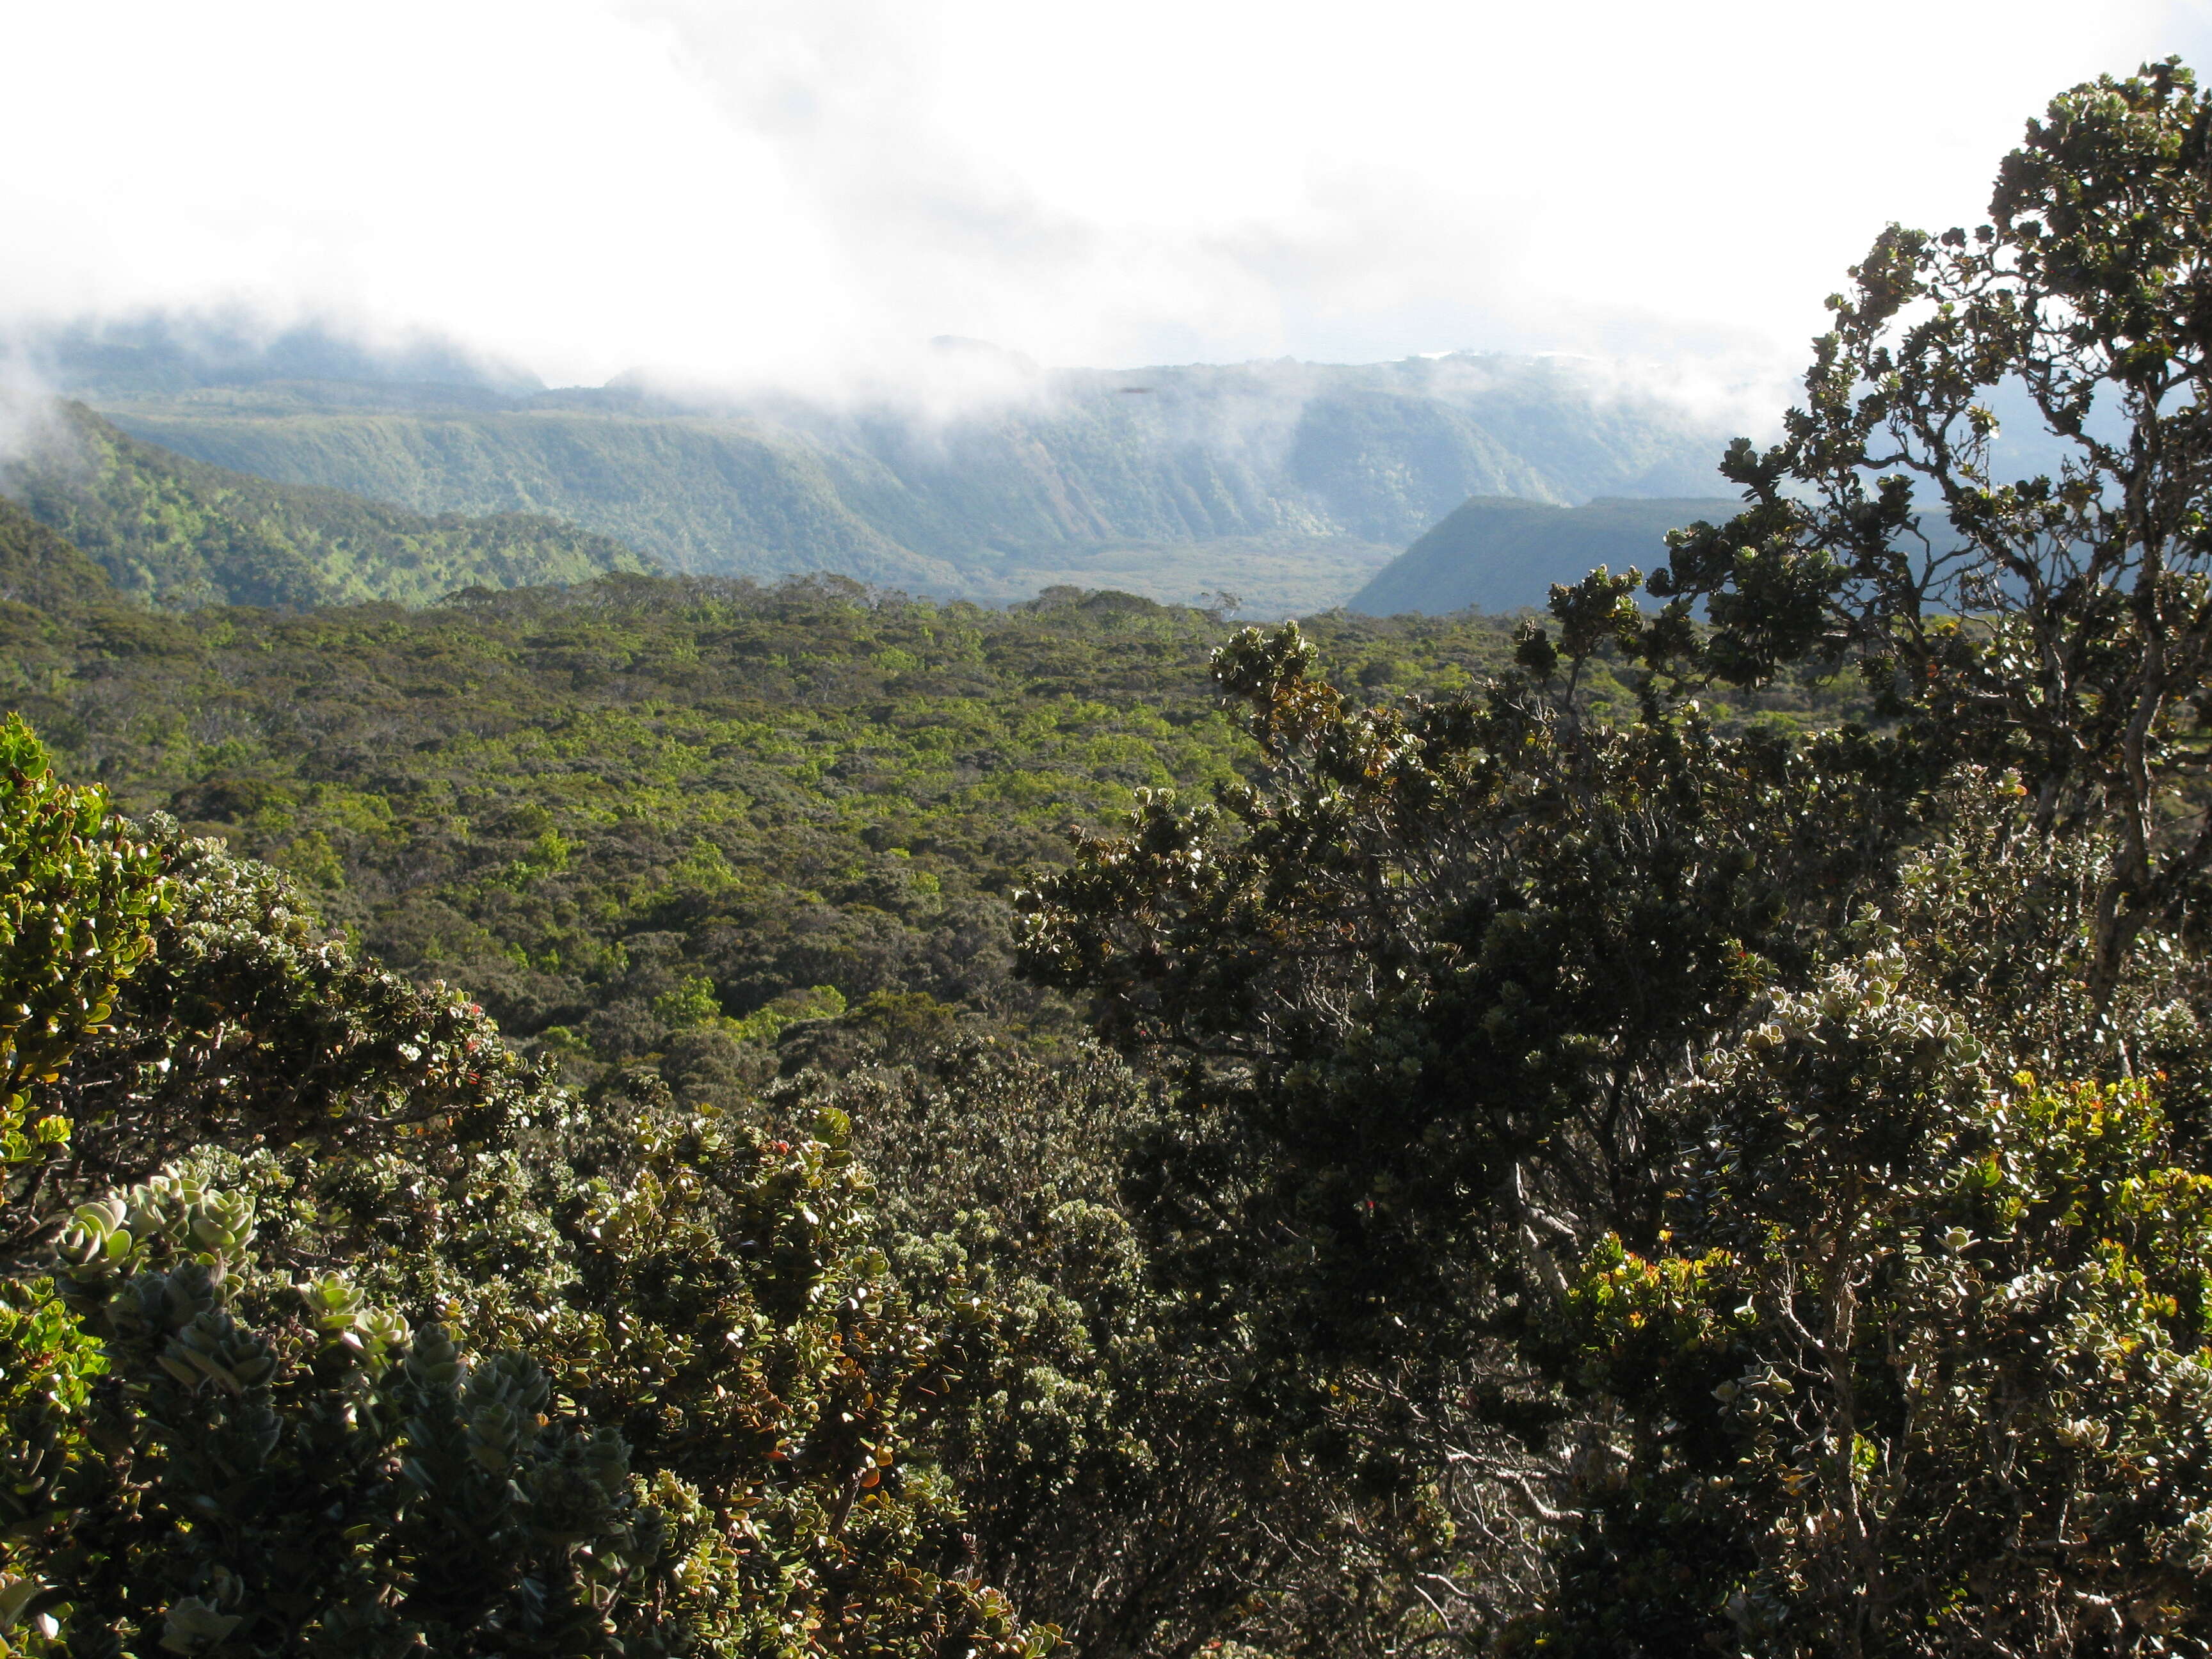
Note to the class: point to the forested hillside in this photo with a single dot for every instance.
(176, 533)
(1498, 554)
(1293, 480)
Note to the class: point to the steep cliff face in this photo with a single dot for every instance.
(1164, 480)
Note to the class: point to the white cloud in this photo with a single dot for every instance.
(768, 187)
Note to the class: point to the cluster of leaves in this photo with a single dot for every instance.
(1121, 1465)
(1923, 1364)
(78, 898)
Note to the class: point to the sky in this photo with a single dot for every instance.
(747, 191)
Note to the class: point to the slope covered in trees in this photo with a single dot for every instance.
(1579, 1156)
(1292, 479)
(176, 533)
(42, 572)
(1499, 553)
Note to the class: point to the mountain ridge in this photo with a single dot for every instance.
(1295, 481)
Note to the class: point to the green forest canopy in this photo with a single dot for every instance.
(178, 533)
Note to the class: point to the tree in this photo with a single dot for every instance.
(1541, 1070)
(2059, 623)
(1425, 979)
(1421, 992)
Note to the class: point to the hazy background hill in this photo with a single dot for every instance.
(166, 352)
(1289, 483)
(175, 532)
(1497, 553)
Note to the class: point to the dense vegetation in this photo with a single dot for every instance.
(650, 804)
(1661, 1130)
(176, 533)
(1288, 482)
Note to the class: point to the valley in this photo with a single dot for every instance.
(1288, 484)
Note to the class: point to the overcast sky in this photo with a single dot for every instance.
(745, 188)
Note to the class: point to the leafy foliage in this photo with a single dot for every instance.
(239, 1423)
(1917, 1363)
(78, 897)
(351, 1484)
(1923, 1369)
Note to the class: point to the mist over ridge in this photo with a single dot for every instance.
(968, 470)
